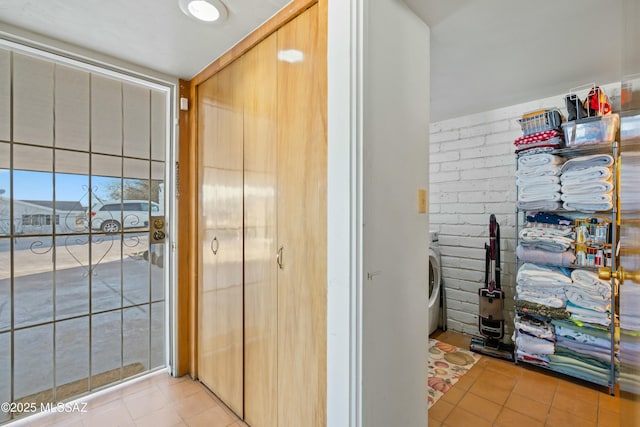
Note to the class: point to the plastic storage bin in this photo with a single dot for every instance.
(591, 131)
(630, 127)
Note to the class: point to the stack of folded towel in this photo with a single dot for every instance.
(582, 351)
(542, 285)
(546, 239)
(589, 298)
(532, 349)
(538, 180)
(590, 341)
(587, 183)
(535, 338)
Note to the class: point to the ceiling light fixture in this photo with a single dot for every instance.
(204, 10)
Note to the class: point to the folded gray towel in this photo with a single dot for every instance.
(584, 162)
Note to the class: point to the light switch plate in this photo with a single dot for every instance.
(422, 201)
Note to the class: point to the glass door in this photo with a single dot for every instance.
(630, 217)
(629, 271)
(82, 179)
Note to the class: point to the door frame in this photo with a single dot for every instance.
(57, 52)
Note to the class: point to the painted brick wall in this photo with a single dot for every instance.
(472, 175)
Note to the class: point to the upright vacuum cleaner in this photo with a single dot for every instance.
(491, 318)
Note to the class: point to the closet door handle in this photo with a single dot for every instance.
(215, 250)
(279, 257)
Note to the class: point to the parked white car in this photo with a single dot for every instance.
(110, 216)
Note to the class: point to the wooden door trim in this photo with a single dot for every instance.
(186, 292)
(286, 14)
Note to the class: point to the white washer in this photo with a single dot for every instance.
(435, 281)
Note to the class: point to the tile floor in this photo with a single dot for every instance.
(157, 400)
(498, 393)
(493, 393)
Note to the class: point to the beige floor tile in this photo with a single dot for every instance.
(213, 417)
(529, 407)
(574, 404)
(68, 423)
(64, 419)
(94, 402)
(483, 362)
(608, 418)
(560, 418)
(182, 389)
(194, 404)
(453, 395)
(579, 391)
(511, 418)
(502, 367)
(145, 402)
(165, 417)
(480, 406)
(497, 380)
(608, 402)
(466, 381)
(539, 374)
(440, 410)
(545, 389)
(110, 415)
(463, 418)
(489, 391)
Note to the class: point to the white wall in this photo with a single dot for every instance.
(378, 83)
(472, 175)
(394, 234)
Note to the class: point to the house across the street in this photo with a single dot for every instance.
(40, 216)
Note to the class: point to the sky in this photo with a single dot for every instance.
(30, 185)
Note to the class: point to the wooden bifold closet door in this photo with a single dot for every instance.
(262, 275)
(260, 234)
(220, 326)
(302, 229)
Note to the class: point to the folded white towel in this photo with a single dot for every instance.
(587, 207)
(541, 276)
(590, 281)
(584, 162)
(588, 187)
(534, 345)
(548, 192)
(539, 205)
(545, 170)
(587, 198)
(537, 180)
(584, 175)
(550, 239)
(588, 315)
(542, 159)
(582, 298)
